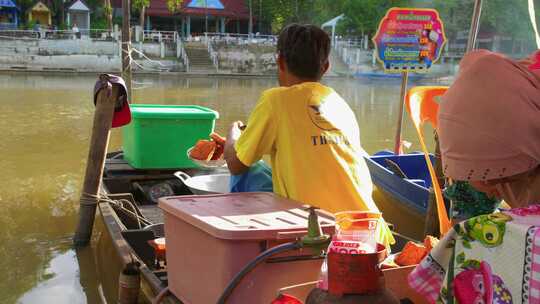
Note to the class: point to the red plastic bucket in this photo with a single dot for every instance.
(356, 273)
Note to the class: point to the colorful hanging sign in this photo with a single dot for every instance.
(409, 39)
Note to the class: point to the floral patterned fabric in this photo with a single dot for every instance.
(493, 258)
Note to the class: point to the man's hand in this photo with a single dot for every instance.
(236, 130)
(235, 165)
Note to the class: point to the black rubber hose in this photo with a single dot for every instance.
(254, 263)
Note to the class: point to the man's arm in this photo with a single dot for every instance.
(236, 167)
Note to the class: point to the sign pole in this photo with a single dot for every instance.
(404, 80)
(412, 39)
(475, 24)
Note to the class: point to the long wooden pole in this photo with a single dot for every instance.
(126, 45)
(431, 226)
(250, 24)
(475, 25)
(94, 166)
(404, 79)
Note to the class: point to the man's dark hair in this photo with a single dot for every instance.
(305, 49)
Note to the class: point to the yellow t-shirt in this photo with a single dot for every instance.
(313, 139)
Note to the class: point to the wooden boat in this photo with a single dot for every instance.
(405, 177)
(122, 227)
(135, 218)
(131, 226)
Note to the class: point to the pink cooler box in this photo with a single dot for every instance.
(210, 238)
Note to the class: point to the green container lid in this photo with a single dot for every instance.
(146, 111)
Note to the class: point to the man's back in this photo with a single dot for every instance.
(313, 139)
(309, 131)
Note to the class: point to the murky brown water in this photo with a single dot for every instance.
(46, 121)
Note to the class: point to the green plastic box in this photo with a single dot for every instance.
(159, 135)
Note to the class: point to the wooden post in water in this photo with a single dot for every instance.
(99, 141)
(404, 79)
(126, 45)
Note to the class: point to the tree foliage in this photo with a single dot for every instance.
(139, 4)
(505, 17)
(363, 17)
(174, 5)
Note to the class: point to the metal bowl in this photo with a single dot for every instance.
(205, 184)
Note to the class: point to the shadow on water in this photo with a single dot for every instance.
(47, 120)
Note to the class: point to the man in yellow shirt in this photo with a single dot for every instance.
(309, 131)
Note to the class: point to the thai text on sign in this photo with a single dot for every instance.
(409, 39)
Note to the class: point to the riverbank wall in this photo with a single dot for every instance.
(250, 58)
(83, 55)
(173, 56)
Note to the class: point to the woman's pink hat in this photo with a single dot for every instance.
(489, 119)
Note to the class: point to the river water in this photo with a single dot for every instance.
(46, 122)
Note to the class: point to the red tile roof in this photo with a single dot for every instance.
(236, 9)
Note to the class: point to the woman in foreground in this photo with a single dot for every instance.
(489, 130)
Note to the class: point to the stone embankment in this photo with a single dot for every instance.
(84, 55)
(249, 58)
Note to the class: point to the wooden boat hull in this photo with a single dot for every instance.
(117, 183)
(129, 242)
(413, 191)
(151, 284)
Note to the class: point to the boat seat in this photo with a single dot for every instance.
(419, 182)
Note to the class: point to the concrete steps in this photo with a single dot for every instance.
(199, 58)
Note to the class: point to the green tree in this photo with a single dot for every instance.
(507, 17)
(455, 14)
(278, 13)
(323, 11)
(141, 6)
(174, 5)
(363, 17)
(107, 11)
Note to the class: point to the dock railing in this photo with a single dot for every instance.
(241, 39)
(92, 34)
(18, 34)
(211, 51)
(181, 53)
(160, 36)
(50, 34)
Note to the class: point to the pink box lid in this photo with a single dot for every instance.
(245, 216)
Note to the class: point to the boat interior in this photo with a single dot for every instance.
(408, 166)
(132, 195)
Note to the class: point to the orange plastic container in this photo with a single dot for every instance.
(211, 238)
